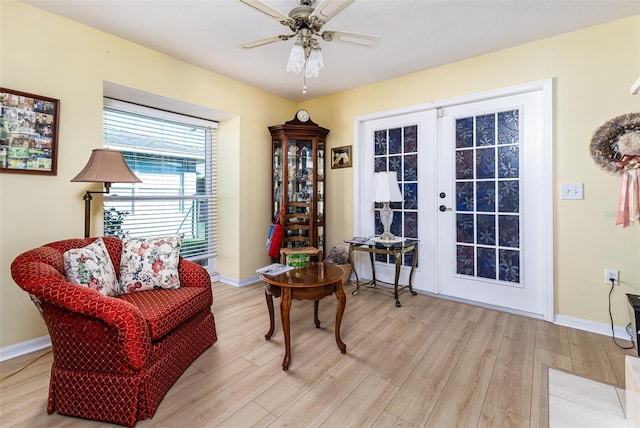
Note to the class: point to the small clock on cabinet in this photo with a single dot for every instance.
(303, 115)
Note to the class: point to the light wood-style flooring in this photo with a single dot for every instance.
(430, 363)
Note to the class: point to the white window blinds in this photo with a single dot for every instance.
(174, 156)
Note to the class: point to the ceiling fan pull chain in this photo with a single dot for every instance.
(304, 79)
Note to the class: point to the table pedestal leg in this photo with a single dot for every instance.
(373, 270)
(398, 256)
(269, 298)
(413, 268)
(316, 320)
(355, 272)
(342, 302)
(285, 307)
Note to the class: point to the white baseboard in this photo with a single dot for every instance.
(23, 348)
(591, 326)
(470, 302)
(241, 283)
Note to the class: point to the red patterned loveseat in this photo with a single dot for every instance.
(115, 358)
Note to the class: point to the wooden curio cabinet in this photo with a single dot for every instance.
(298, 171)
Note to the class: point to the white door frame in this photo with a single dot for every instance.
(545, 87)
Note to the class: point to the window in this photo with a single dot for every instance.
(174, 156)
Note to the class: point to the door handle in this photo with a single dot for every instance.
(443, 208)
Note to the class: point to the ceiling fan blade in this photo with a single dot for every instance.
(327, 9)
(353, 39)
(262, 42)
(272, 13)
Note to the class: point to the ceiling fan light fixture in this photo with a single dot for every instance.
(315, 62)
(296, 58)
(305, 22)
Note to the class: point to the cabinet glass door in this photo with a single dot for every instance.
(300, 191)
(300, 171)
(320, 194)
(277, 176)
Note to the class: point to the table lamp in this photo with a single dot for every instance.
(104, 166)
(386, 191)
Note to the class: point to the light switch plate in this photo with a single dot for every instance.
(572, 191)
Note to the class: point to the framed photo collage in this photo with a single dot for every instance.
(28, 133)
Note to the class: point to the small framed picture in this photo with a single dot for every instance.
(28, 133)
(341, 157)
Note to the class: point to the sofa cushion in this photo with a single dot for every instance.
(150, 263)
(164, 310)
(91, 266)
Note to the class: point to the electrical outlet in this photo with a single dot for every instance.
(610, 274)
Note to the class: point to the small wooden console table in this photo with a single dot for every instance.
(396, 249)
(313, 283)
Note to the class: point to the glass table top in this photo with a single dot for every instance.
(377, 243)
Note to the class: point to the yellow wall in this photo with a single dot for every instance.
(592, 71)
(44, 54)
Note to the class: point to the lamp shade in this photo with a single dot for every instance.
(106, 166)
(386, 187)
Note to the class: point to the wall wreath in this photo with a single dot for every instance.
(615, 147)
(605, 149)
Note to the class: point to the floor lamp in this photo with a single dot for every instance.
(386, 190)
(104, 166)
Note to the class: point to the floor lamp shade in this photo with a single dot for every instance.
(104, 166)
(386, 190)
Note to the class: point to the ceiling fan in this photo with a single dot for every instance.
(305, 23)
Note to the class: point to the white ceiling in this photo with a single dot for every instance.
(416, 35)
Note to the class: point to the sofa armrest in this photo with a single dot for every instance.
(48, 285)
(193, 275)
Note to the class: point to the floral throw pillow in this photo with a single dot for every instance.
(150, 263)
(91, 266)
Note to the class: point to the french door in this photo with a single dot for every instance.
(398, 144)
(492, 217)
(483, 198)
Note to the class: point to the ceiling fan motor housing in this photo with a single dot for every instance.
(301, 16)
(300, 13)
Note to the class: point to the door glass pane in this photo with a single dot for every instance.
(465, 228)
(488, 196)
(396, 149)
(464, 164)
